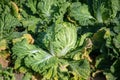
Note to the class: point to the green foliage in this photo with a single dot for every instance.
(83, 71)
(7, 25)
(105, 10)
(116, 42)
(48, 10)
(6, 74)
(71, 38)
(80, 13)
(60, 46)
(56, 49)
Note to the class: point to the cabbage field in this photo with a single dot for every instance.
(59, 39)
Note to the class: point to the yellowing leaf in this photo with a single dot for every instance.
(28, 37)
(15, 10)
(3, 45)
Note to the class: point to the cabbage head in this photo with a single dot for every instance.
(60, 38)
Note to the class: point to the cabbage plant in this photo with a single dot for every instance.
(60, 40)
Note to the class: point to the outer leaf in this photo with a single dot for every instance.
(7, 25)
(15, 10)
(52, 9)
(32, 5)
(39, 59)
(115, 69)
(98, 38)
(115, 4)
(34, 58)
(27, 76)
(3, 45)
(80, 13)
(117, 29)
(32, 25)
(102, 62)
(116, 41)
(81, 68)
(104, 9)
(114, 72)
(81, 40)
(22, 49)
(48, 10)
(45, 7)
(109, 76)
